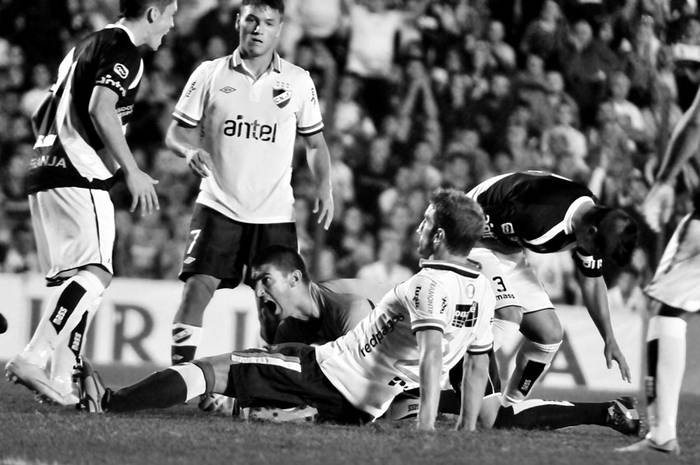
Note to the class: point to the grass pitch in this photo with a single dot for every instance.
(31, 433)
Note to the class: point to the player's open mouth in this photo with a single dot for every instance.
(270, 305)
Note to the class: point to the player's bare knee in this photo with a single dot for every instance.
(542, 327)
(512, 313)
(100, 273)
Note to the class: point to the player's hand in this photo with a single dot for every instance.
(613, 353)
(143, 192)
(323, 206)
(658, 205)
(199, 162)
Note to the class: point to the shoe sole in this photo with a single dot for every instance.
(15, 374)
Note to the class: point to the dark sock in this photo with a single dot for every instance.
(162, 389)
(553, 416)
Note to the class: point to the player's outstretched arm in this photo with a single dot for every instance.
(684, 143)
(183, 141)
(595, 298)
(430, 367)
(476, 373)
(318, 158)
(103, 113)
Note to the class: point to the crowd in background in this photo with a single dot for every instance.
(415, 94)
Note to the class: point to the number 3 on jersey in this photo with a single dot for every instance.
(501, 286)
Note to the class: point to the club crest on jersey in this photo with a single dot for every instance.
(281, 93)
(121, 70)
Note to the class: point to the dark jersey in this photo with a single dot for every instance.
(339, 313)
(534, 210)
(68, 150)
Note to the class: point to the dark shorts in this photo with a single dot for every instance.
(224, 248)
(288, 375)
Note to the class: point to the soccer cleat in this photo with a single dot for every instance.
(647, 444)
(623, 416)
(218, 404)
(283, 415)
(91, 388)
(20, 371)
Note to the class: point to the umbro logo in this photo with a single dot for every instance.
(189, 260)
(227, 89)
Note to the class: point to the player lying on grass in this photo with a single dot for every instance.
(412, 338)
(315, 313)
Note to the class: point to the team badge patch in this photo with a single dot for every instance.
(281, 93)
(121, 70)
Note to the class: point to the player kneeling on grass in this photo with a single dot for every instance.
(411, 339)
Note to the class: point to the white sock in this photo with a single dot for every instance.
(531, 363)
(193, 377)
(506, 335)
(66, 354)
(663, 390)
(64, 310)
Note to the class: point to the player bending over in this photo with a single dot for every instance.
(546, 213)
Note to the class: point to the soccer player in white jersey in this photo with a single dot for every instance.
(418, 331)
(546, 213)
(674, 290)
(235, 124)
(80, 145)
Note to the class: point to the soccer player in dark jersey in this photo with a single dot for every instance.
(80, 145)
(546, 213)
(674, 290)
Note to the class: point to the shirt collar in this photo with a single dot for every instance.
(124, 28)
(236, 62)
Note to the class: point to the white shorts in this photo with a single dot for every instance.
(73, 227)
(513, 279)
(676, 282)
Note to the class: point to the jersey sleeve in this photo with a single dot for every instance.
(309, 120)
(190, 107)
(427, 302)
(483, 332)
(589, 265)
(119, 69)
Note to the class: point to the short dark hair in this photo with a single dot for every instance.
(616, 234)
(131, 9)
(282, 257)
(460, 217)
(273, 4)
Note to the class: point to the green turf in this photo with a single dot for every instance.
(34, 433)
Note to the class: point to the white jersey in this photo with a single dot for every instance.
(379, 358)
(248, 126)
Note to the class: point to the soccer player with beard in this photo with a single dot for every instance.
(412, 338)
(546, 213)
(79, 147)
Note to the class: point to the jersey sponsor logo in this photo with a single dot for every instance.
(314, 98)
(281, 93)
(416, 296)
(108, 80)
(443, 305)
(125, 111)
(378, 337)
(228, 89)
(39, 161)
(465, 315)
(256, 130)
(191, 89)
(189, 260)
(181, 335)
(505, 296)
(488, 228)
(121, 70)
(590, 262)
(43, 141)
(507, 228)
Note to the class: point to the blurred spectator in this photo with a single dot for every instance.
(627, 113)
(545, 35)
(349, 116)
(13, 194)
(556, 271)
(387, 267)
(218, 22)
(563, 137)
(41, 81)
(342, 177)
(20, 256)
(374, 176)
(502, 54)
(626, 294)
